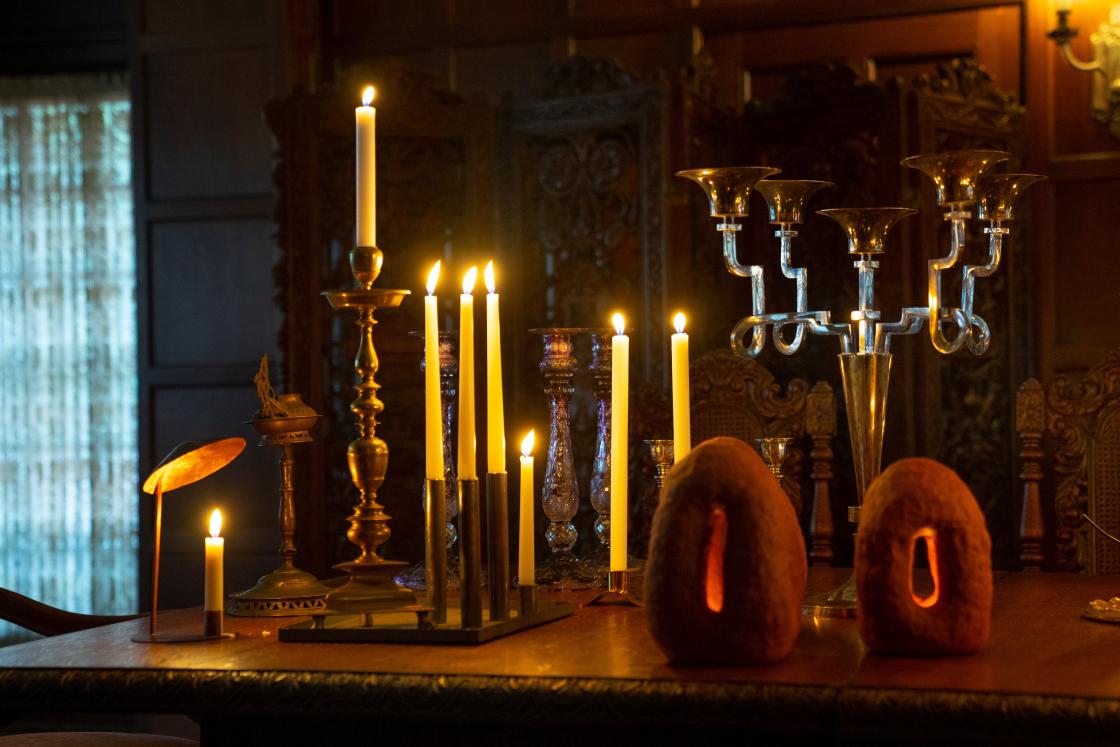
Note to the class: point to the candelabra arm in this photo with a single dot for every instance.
(758, 288)
(1062, 36)
(937, 314)
(909, 323)
(800, 276)
(866, 314)
(979, 337)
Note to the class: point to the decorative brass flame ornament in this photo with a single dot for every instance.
(282, 421)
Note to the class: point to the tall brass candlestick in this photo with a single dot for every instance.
(370, 586)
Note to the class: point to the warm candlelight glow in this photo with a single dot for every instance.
(469, 280)
(488, 274)
(527, 443)
(678, 323)
(367, 95)
(216, 523)
(619, 323)
(433, 278)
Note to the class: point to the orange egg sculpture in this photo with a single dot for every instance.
(726, 570)
(912, 501)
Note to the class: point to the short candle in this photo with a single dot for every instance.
(682, 430)
(526, 552)
(620, 406)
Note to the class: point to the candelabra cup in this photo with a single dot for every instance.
(561, 570)
(618, 592)
(370, 586)
(867, 228)
(728, 188)
(955, 173)
(996, 195)
(786, 198)
(416, 577)
(287, 590)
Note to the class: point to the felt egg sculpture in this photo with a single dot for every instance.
(726, 570)
(914, 501)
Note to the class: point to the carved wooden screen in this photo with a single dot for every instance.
(1077, 420)
(434, 200)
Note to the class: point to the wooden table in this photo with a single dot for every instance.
(1046, 675)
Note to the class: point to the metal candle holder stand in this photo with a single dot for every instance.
(370, 607)
(865, 357)
(618, 592)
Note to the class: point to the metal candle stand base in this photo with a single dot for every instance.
(211, 631)
(618, 592)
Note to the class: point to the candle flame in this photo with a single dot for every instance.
(433, 278)
(468, 281)
(488, 273)
(678, 322)
(619, 323)
(367, 95)
(527, 443)
(216, 523)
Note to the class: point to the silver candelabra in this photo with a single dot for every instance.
(865, 339)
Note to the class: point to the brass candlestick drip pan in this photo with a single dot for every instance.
(282, 421)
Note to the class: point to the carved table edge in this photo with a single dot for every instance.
(844, 709)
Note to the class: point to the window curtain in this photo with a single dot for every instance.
(68, 436)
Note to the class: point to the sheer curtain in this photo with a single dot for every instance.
(68, 452)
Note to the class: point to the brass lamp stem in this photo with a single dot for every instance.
(287, 509)
(155, 559)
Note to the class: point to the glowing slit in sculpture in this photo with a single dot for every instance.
(713, 575)
(930, 536)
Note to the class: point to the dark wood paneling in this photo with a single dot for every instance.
(1087, 267)
(200, 16)
(494, 71)
(209, 286)
(205, 139)
(63, 36)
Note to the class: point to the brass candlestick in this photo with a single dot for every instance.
(371, 586)
(282, 421)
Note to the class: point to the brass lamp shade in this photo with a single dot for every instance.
(187, 463)
(191, 461)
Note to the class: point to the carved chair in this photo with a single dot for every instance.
(1070, 437)
(733, 396)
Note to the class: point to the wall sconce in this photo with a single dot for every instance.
(1105, 101)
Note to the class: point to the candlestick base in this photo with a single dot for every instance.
(435, 548)
(840, 602)
(470, 550)
(618, 592)
(497, 536)
(527, 598)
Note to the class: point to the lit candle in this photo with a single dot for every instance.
(682, 433)
(495, 413)
(365, 117)
(467, 468)
(214, 591)
(1064, 5)
(433, 407)
(620, 393)
(526, 553)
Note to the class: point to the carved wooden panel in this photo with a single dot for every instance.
(435, 182)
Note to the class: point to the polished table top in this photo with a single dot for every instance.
(1044, 668)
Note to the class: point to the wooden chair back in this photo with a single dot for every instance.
(1070, 449)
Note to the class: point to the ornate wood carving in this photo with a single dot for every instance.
(820, 424)
(1030, 421)
(435, 177)
(968, 411)
(1081, 417)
